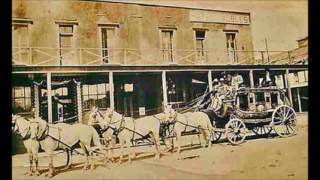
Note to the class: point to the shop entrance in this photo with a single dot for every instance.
(138, 94)
(64, 101)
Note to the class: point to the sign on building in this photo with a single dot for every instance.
(128, 87)
(219, 17)
(142, 111)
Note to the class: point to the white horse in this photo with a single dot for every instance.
(64, 135)
(97, 120)
(187, 122)
(21, 126)
(129, 130)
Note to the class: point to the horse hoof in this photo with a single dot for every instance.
(50, 175)
(30, 173)
(37, 173)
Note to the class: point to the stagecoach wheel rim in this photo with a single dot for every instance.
(262, 130)
(284, 121)
(235, 131)
(216, 135)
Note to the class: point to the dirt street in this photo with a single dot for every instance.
(256, 158)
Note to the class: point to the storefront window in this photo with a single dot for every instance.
(95, 95)
(21, 99)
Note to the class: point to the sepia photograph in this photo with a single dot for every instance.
(159, 89)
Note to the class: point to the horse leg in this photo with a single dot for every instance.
(121, 150)
(30, 163)
(85, 167)
(178, 140)
(130, 153)
(203, 133)
(111, 150)
(51, 168)
(156, 144)
(35, 157)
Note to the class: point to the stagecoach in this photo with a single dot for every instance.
(259, 110)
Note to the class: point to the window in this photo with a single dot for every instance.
(21, 99)
(107, 38)
(200, 35)
(231, 46)
(95, 95)
(20, 43)
(167, 45)
(66, 35)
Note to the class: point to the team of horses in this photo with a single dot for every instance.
(113, 126)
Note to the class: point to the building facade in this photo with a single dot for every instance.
(70, 56)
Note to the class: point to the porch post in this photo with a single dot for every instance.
(79, 102)
(111, 90)
(289, 86)
(164, 88)
(251, 79)
(49, 95)
(36, 101)
(210, 80)
(299, 100)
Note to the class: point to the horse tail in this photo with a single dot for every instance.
(96, 139)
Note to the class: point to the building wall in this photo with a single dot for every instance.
(137, 30)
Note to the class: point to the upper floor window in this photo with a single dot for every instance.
(231, 46)
(67, 52)
(108, 41)
(167, 39)
(20, 40)
(200, 36)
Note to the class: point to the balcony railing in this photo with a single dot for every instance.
(102, 56)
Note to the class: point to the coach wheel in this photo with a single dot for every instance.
(262, 130)
(235, 131)
(284, 121)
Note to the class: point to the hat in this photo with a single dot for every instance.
(221, 79)
(215, 80)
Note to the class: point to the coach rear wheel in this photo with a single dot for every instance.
(284, 121)
(235, 131)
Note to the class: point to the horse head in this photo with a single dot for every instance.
(14, 125)
(38, 128)
(170, 114)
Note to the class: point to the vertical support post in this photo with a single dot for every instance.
(210, 80)
(164, 88)
(79, 102)
(49, 95)
(251, 79)
(289, 86)
(299, 100)
(111, 90)
(36, 101)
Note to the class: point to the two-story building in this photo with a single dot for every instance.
(69, 56)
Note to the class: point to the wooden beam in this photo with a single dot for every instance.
(111, 90)
(251, 79)
(164, 88)
(210, 80)
(49, 97)
(289, 86)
